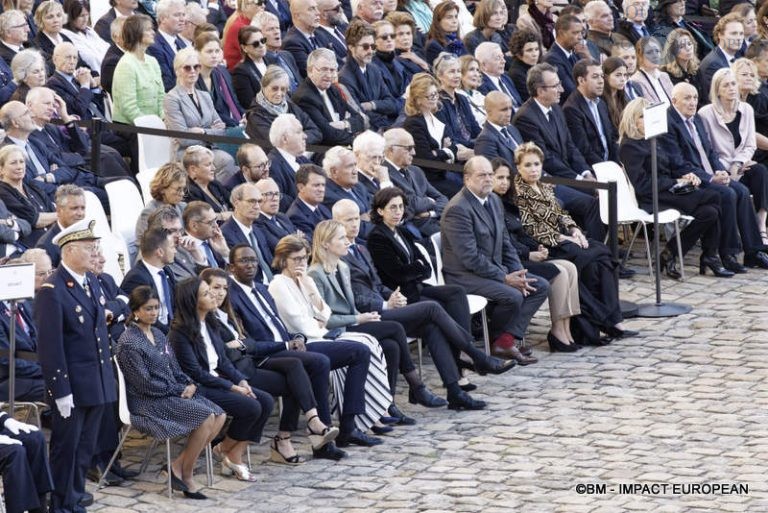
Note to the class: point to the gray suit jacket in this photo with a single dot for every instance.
(475, 248)
(182, 114)
(338, 295)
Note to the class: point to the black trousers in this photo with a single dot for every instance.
(300, 378)
(27, 389)
(584, 208)
(738, 223)
(394, 343)
(73, 444)
(356, 358)
(249, 415)
(704, 206)
(756, 180)
(25, 471)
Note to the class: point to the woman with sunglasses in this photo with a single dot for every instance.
(396, 75)
(456, 111)
(246, 77)
(189, 109)
(246, 10)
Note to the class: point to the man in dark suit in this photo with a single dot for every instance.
(324, 104)
(729, 36)
(542, 121)
(491, 59)
(241, 227)
(29, 376)
(7, 84)
(15, 38)
(157, 252)
(272, 223)
(600, 18)
(332, 27)
(290, 142)
(256, 308)
(569, 32)
(113, 55)
(171, 17)
(587, 115)
(300, 39)
(636, 23)
(270, 27)
(24, 466)
(74, 354)
(341, 166)
(124, 8)
(307, 209)
(281, 9)
(478, 256)
(365, 81)
(498, 138)
(187, 254)
(688, 136)
(425, 203)
(208, 241)
(70, 208)
(252, 163)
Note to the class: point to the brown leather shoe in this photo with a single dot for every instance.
(505, 353)
(520, 358)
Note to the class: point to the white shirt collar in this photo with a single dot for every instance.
(80, 278)
(545, 110)
(289, 158)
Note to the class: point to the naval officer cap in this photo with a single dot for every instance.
(81, 230)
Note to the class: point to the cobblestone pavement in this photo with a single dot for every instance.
(684, 403)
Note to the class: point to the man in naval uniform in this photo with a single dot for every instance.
(73, 347)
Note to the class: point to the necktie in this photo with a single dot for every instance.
(39, 168)
(339, 35)
(313, 42)
(301, 159)
(596, 116)
(644, 31)
(276, 222)
(180, 44)
(353, 252)
(573, 58)
(209, 255)
(20, 321)
(272, 317)
(281, 62)
(167, 301)
(489, 208)
(233, 110)
(87, 288)
(407, 175)
(699, 147)
(509, 139)
(316, 215)
(266, 272)
(356, 197)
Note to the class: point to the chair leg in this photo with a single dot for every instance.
(679, 250)
(209, 464)
(168, 459)
(248, 456)
(100, 484)
(486, 337)
(147, 456)
(640, 226)
(421, 355)
(648, 250)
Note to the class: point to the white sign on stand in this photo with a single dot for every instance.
(17, 281)
(655, 120)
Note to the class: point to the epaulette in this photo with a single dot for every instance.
(49, 285)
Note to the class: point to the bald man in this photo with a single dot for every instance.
(688, 136)
(499, 137)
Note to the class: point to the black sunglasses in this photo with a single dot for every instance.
(258, 43)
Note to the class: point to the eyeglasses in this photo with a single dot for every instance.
(252, 201)
(558, 84)
(433, 96)
(327, 71)
(386, 37)
(272, 195)
(210, 222)
(258, 42)
(366, 46)
(376, 158)
(189, 68)
(19, 26)
(407, 147)
(298, 259)
(261, 166)
(333, 9)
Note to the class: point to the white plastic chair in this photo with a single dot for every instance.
(630, 212)
(125, 418)
(125, 204)
(144, 177)
(154, 150)
(98, 9)
(477, 303)
(113, 246)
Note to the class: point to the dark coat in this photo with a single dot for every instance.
(714, 61)
(275, 229)
(371, 88)
(557, 58)
(299, 47)
(253, 323)
(370, 293)
(246, 80)
(282, 173)
(164, 54)
(307, 96)
(306, 220)
(487, 86)
(491, 144)
(584, 131)
(139, 275)
(234, 236)
(678, 140)
(260, 120)
(219, 191)
(422, 197)
(108, 65)
(396, 266)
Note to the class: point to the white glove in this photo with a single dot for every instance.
(14, 426)
(65, 405)
(7, 440)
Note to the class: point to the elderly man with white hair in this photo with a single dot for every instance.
(369, 151)
(270, 27)
(600, 24)
(171, 20)
(344, 183)
(196, 15)
(290, 142)
(634, 25)
(14, 34)
(491, 59)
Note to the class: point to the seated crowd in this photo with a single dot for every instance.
(300, 263)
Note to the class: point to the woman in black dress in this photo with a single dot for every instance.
(525, 47)
(163, 401)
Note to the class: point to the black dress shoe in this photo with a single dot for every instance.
(467, 386)
(714, 264)
(195, 495)
(382, 430)
(111, 478)
(357, 437)
(524, 348)
(626, 273)
(424, 396)
(600, 342)
(556, 346)
(86, 500)
(733, 265)
(402, 418)
(123, 472)
(329, 452)
(756, 259)
(493, 365)
(669, 265)
(177, 484)
(463, 401)
(614, 332)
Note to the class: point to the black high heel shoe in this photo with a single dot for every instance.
(556, 346)
(669, 265)
(714, 264)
